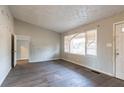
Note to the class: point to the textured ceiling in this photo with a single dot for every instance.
(62, 18)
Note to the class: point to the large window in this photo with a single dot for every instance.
(77, 44)
(81, 43)
(66, 44)
(67, 40)
(92, 42)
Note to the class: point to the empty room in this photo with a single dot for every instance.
(62, 46)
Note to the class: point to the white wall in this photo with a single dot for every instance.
(6, 28)
(44, 44)
(104, 61)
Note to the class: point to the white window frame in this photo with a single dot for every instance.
(70, 43)
(73, 36)
(85, 42)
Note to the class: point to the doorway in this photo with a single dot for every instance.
(23, 45)
(119, 50)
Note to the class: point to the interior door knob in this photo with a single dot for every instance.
(117, 53)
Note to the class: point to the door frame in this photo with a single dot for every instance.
(114, 46)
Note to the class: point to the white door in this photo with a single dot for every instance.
(120, 51)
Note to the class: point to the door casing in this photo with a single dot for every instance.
(114, 46)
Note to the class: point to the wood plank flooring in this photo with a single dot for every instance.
(57, 73)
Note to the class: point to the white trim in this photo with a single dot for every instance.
(114, 46)
(44, 60)
(98, 70)
(15, 49)
(120, 22)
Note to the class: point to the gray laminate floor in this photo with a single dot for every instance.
(57, 73)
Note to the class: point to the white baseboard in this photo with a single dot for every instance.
(98, 70)
(44, 60)
(2, 80)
